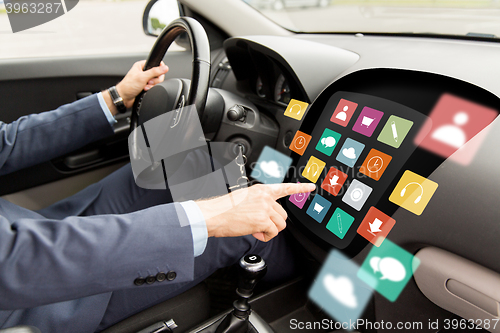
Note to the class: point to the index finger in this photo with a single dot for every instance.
(282, 190)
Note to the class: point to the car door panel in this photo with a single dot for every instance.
(36, 85)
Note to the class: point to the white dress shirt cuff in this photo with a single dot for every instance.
(105, 109)
(198, 226)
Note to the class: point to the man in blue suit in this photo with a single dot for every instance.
(114, 249)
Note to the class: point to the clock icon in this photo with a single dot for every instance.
(375, 164)
(300, 142)
(299, 197)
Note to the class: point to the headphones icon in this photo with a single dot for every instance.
(300, 108)
(417, 200)
(316, 170)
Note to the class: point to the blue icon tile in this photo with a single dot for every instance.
(318, 208)
(338, 291)
(271, 166)
(350, 152)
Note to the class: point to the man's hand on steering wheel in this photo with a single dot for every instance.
(134, 82)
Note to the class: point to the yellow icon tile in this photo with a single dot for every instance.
(413, 192)
(313, 169)
(296, 109)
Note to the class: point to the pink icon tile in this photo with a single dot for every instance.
(367, 121)
(299, 199)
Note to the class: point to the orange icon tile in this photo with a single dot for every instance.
(375, 164)
(300, 142)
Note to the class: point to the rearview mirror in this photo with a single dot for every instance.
(158, 14)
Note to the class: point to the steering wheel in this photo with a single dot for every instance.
(173, 90)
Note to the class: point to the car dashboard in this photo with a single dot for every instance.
(406, 78)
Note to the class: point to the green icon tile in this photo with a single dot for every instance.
(395, 131)
(387, 269)
(328, 142)
(339, 223)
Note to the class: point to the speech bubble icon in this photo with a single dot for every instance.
(391, 269)
(374, 264)
(328, 141)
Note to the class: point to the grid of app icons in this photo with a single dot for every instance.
(350, 156)
(387, 268)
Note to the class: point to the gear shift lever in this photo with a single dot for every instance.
(252, 269)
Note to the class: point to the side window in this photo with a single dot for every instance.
(92, 27)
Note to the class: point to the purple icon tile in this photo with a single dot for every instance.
(367, 121)
(299, 199)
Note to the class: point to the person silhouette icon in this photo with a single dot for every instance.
(343, 112)
(342, 115)
(452, 135)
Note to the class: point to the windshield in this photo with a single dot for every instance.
(479, 18)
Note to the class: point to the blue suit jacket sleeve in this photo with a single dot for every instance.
(41, 137)
(45, 260)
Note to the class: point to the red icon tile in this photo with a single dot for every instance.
(376, 226)
(334, 181)
(343, 113)
(452, 123)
